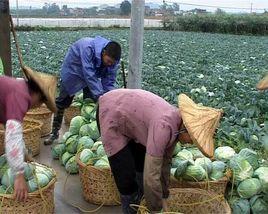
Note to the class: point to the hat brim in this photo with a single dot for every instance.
(263, 83)
(201, 123)
(47, 84)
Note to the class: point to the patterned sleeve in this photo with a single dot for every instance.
(14, 146)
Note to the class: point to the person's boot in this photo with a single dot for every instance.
(57, 121)
(127, 200)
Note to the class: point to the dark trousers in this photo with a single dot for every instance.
(64, 100)
(125, 164)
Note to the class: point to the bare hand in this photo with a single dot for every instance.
(20, 188)
(164, 204)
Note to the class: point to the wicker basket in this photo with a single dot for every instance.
(44, 115)
(70, 113)
(38, 202)
(217, 187)
(98, 184)
(31, 135)
(192, 201)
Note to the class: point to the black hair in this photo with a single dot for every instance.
(113, 50)
(34, 88)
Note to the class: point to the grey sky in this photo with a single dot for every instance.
(260, 4)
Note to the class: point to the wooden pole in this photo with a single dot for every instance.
(5, 48)
(136, 44)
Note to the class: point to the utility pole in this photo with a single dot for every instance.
(251, 6)
(17, 9)
(136, 44)
(5, 48)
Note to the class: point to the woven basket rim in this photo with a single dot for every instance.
(38, 125)
(90, 167)
(41, 110)
(37, 192)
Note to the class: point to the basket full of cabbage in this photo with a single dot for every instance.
(40, 181)
(191, 169)
(83, 133)
(96, 177)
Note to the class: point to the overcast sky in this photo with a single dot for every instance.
(260, 4)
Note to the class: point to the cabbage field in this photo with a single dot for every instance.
(213, 69)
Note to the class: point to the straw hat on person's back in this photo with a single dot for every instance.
(47, 83)
(200, 122)
(263, 83)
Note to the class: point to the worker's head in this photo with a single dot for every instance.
(38, 98)
(111, 54)
(184, 136)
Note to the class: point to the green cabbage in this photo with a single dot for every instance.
(84, 143)
(65, 157)
(194, 173)
(249, 188)
(239, 205)
(86, 111)
(85, 130)
(224, 153)
(181, 168)
(8, 178)
(71, 144)
(100, 151)
(71, 166)
(218, 170)
(177, 149)
(185, 155)
(206, 163)
(94, 131)
(262, 174)
(65, 137)
(28, 171)
(3, 189)
(76, 123)
(195, 152)
(58, 150)
(87, 156)
(102, 162)
(258, 205)
(250, 156)
(241, 169)
(96, 145)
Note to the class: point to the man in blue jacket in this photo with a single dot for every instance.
(89, 65)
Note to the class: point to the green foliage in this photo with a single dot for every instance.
(221, 23)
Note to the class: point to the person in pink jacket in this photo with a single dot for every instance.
(17, 96)
(139, 131)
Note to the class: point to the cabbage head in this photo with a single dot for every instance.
(241, 169)
(224, 153)
(249, 188)
(251, 156)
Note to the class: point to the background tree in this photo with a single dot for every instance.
(125, 8)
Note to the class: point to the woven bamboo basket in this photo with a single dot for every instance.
(192, 201)
(44, 115)
(38, 202)
(70, 113)
(31, 135)
(217, 187)
(98, 184)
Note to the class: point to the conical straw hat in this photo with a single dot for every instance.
(263, 84)
(200, 122)
(47, 84)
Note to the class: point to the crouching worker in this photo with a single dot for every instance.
(17, 96)
(139, 131)
(90, 65)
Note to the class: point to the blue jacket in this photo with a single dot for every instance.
(82, 68)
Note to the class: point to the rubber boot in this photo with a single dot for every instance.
(127, 200)
(57, 121)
